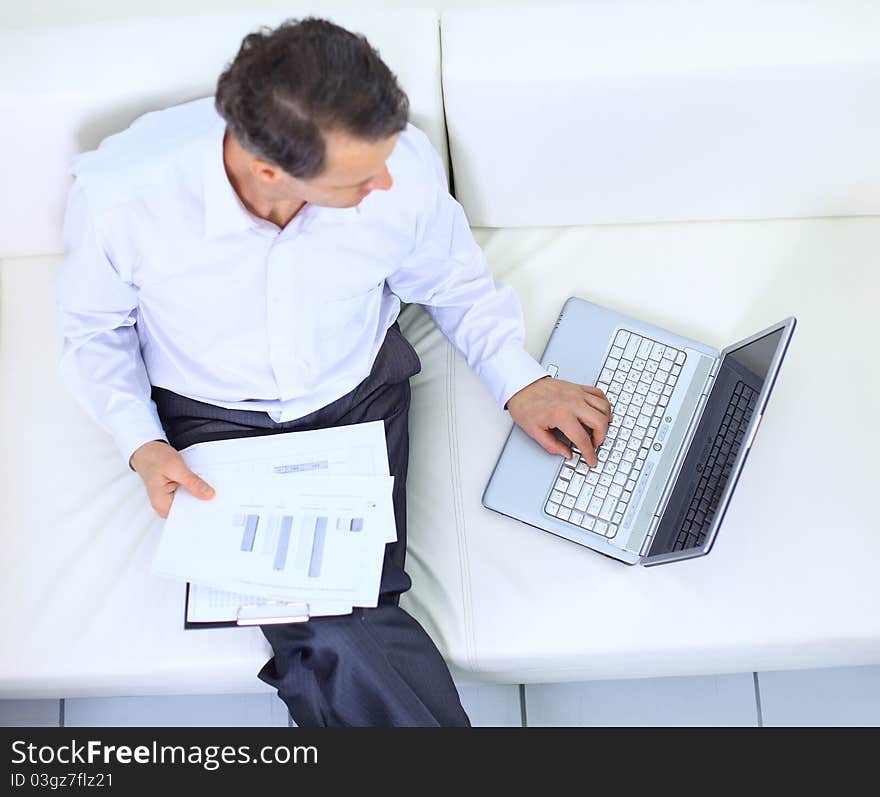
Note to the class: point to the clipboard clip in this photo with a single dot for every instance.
(272, 612)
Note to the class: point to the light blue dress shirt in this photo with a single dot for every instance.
(169, 280)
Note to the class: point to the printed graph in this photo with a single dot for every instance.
(311, 530)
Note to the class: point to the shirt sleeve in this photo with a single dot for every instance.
(448, 274)
(96, 309)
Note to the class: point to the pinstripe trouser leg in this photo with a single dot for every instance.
(377, 666)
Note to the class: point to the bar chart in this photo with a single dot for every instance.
(311, 539)
(314, 528)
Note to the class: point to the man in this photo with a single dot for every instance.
(235, 266)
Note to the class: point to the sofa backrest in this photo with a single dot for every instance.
(610, 112)
(63, 89)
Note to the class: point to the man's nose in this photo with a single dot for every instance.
(382, 183)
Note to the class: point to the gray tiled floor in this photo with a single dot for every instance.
(839, 696)
(170, 710)
(707, 700)
(30, 713)
(835, 696)
(492, 705)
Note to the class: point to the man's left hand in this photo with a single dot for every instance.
(582, 413)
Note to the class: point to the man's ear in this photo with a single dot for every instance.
(264, 170)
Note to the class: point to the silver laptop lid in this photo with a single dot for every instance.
(753, 362)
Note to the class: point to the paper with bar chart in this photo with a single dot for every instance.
(301, 516)
(320, 540)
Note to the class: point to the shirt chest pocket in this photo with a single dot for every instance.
(345, 313)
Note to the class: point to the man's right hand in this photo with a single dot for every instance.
(163, 470)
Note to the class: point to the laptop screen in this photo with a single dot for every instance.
(717, 446)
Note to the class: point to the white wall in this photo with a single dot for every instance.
(34, 13)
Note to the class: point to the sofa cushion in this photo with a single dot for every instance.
(642, 111)
(790, 581)
(67, 88)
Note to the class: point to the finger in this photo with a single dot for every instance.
(192, 482)
(597, 422)
(162, 503)
(551, 443)
(574, 430)
(596, 398)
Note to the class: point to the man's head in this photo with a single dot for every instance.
(313, 112)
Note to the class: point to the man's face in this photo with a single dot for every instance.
(353, 169)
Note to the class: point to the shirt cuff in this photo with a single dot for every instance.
(509, 371)
(133, 429)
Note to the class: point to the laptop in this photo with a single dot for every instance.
(684, 417)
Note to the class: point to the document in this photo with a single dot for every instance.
(207, 605)
(301, 517)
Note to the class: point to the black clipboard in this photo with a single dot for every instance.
(253, 614)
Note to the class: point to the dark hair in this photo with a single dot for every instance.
(289, 86)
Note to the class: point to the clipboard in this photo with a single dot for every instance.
(252, 614)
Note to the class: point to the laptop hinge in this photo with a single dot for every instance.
(679, 461)
(646, 545)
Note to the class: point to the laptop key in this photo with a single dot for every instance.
(631, 348)
(577, 481)
(584, 499)
(607, 510)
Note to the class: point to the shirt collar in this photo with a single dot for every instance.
(224, 211)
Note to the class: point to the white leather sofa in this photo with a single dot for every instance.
(710, 168)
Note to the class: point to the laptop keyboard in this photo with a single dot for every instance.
(638, 377)
(716, 470)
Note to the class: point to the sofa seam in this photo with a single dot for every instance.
(443, 106)
(460, 525)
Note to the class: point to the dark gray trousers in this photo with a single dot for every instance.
(376, 666)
